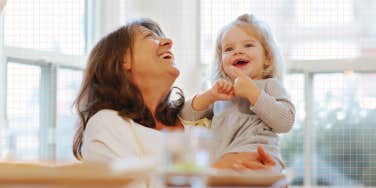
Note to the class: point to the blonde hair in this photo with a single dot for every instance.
(252, 26)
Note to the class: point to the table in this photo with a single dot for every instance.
(17, 175)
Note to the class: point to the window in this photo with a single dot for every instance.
(291, 148)
(44, 47)
(325, 30)
(23, 110)
(68, 85)
(47, 25)
(344, 122)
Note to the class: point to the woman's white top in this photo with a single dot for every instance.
(108, 137)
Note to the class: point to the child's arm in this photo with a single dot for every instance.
(273, 105)
(222, 90)
(199, 106)
(275, 108)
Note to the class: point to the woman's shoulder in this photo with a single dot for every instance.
(109, 117)
(110, 120)
(105, 113)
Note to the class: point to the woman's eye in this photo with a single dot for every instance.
(149, 35)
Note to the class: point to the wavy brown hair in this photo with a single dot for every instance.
(107, 86)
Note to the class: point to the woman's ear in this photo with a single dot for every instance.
(127, 62)
(127, 65)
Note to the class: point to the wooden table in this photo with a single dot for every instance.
(17, 175)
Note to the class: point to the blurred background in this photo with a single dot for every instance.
(329, 47)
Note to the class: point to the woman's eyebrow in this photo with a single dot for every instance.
(144, 31)
(147, 32)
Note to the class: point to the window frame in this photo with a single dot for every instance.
(49, 62)
(309, 68)
(100, 17)
(46, 90)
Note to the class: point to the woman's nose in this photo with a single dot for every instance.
(166, 42)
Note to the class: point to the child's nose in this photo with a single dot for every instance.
(238, 51)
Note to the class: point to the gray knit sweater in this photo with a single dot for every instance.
(237, 126)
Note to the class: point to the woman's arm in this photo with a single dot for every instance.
(246, 160)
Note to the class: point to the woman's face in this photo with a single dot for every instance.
(152, 56)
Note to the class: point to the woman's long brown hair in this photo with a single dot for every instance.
(106, 85)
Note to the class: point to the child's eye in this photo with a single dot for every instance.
(249, 45)
(228, 49)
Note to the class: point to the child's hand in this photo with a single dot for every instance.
(222, 90)
(245, 87)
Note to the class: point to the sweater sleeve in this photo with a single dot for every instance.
(274, 107)
(189, 114)
(108, 137)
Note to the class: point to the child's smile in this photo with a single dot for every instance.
(240, 62)
(241, 48)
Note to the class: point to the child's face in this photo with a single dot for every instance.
(244, 51)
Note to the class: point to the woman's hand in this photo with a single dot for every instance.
(259, 160)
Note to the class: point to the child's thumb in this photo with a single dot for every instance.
(237, 72)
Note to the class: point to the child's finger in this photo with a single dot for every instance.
(238, 73)
(228, 87)
(220, 84)
(232, 92)
(225, 96)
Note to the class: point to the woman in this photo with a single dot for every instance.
(126, 98)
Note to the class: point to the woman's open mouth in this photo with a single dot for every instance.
(166, 55)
